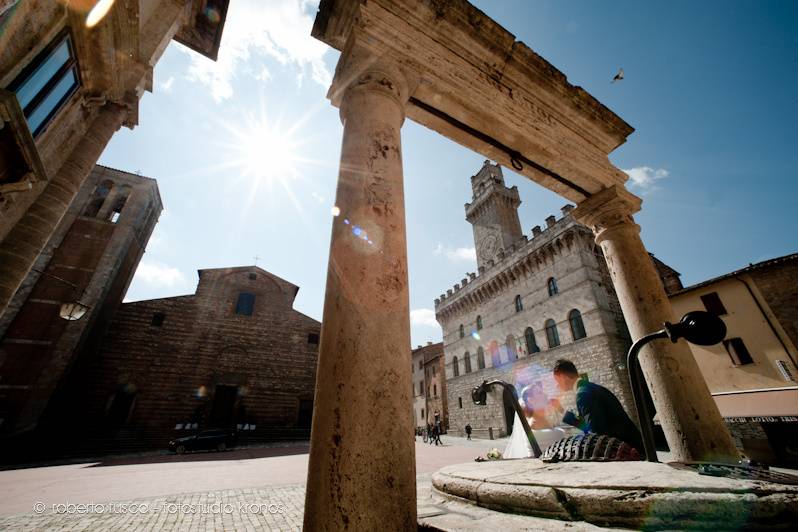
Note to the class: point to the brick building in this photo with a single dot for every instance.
(429, 393)
(90, 258)
(233, 354)
(532, 302)
(753, 375)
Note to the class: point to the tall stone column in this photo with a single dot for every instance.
(689, 416)
(26, 240)
(362, 473)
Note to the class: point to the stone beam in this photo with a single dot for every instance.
(483, 89)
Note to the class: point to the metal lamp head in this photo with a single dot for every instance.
(698, 327)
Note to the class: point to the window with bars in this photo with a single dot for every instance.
(45, 85)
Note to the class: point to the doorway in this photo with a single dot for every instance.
(223, 408)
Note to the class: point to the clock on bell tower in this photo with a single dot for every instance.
(493, 213)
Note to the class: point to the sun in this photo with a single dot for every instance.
(267, 154)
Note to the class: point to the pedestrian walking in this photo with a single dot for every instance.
(468, 431)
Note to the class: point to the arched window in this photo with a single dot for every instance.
(551, 334)
(519, 304)
(512, 352)
(455, 367)
(479, 323)
(467, 360)
(577, 326)
(98, 198)
(119, 203)
(495, 354)
(480, 358)
(552, 284)
(462, 331)
(531, 344)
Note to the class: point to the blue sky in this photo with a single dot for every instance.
(710, 87)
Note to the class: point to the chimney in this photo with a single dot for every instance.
(536, 231)
(550, 220)
(567, 209)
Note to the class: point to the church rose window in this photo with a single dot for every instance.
(245, 304)
(577, 326)
(552, 284)
(551, 334)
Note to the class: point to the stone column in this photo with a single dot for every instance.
(689, 416)
(27, 239)
(362, 473)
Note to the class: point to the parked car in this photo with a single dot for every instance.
(207, 440)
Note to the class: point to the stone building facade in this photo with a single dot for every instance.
(68, 82)
(90, 259)
(234, 354)
(753, 375)
(533, 301)
(430, 401)
(419, 391)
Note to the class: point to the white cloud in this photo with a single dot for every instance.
(157, 274)
(645, 177)
(423, 316)
(166, 86)
(256, 30)
(457, 254)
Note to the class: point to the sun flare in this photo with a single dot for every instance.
(268, 154)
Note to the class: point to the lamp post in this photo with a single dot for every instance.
(71, 310)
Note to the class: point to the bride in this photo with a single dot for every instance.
(536, 407)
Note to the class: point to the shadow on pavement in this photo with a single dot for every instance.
(246, 453)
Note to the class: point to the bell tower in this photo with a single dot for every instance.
(493, 213)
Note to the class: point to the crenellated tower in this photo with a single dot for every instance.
(493, 213)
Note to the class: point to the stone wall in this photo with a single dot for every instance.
(600, 357)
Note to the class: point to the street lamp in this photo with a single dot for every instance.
(70, 310)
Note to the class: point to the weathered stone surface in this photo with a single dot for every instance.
(362, 469)
(643, 494)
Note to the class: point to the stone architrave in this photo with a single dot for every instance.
(362, 473)
(690, 418)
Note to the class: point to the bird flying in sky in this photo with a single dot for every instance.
(618, 76)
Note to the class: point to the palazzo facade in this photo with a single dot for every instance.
(532, 301)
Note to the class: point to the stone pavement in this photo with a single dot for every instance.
(278, 508)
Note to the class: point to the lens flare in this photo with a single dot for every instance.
(335, 211)
(475, 335)
(98, 12)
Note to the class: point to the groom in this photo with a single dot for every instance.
(599, 410)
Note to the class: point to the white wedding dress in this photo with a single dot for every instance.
(519, 446)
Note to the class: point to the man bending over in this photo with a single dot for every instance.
(600, 411)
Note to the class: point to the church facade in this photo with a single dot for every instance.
(532, 301)
(235, 354)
